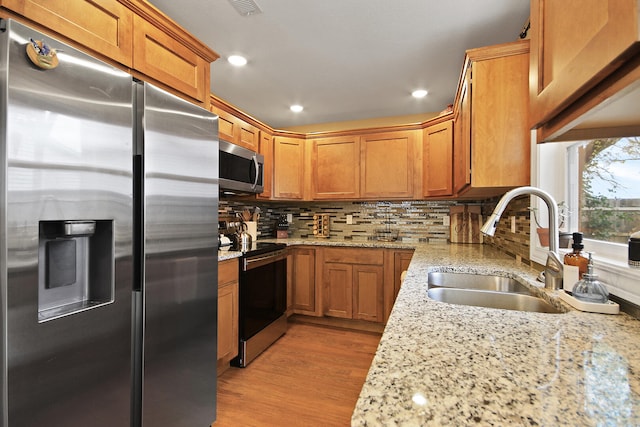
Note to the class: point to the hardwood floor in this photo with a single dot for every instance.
(312, 376)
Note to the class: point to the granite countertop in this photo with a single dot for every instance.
(442, 364)
(225, 255)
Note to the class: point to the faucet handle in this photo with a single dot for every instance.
(553, 272)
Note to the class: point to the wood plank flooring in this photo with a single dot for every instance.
(312, 376)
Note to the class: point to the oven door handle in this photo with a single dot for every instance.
(254, 262)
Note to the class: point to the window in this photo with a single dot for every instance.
(599, 182)
(605, 192)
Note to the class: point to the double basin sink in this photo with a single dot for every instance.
(485, 291)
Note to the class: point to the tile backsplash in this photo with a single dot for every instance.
(415, 221)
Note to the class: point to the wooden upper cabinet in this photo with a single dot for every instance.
(575, 44)
(438, 160)
(104, 26)
(162, 57)
(335, 168)
(249, 136)
(493, 114)
(266, 149)
(462, 137)
(134, 34)
(387, 162)
(227, 130)
(236, 131)
(288, 168)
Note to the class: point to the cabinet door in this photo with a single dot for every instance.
(228, 292)
(288, 168)
(303, 278)
(249, 136)
(574, 45)
(401, 261)
(103, 26)
(368, 292)
(228, 128)
(228, 321)
(338, 290)
(335, 171)
(169, 61)
(500, 136)
(462, 138)
(438, 160)
(387, 161)
(266, 149)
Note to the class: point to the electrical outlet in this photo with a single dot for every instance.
(289, 218)
(349, 219)
(446, 220)
(513, 223)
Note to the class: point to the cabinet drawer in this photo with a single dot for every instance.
(354, 256)
(227, 271)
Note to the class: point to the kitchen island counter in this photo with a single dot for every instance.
(443, 364)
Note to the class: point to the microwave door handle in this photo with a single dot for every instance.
(257, 167)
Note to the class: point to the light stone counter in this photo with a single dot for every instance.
(440, 364)
(224, 255)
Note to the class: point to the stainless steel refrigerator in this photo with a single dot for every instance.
(108, 248)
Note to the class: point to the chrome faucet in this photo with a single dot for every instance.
(553, 267)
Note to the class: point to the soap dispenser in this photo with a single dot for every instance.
(590, 289)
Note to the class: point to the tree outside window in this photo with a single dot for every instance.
(609, 195)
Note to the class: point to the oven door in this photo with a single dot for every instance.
(263, 292)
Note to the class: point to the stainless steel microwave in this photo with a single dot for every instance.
(241, 170)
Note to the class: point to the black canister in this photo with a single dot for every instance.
(634, 250)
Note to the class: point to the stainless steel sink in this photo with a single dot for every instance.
(491, 299)
(475, 281)
(485, 291)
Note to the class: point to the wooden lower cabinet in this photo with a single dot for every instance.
(301, 265)
(345, 282)
(228, 307)
(368, 292)
(401, 261)
(353, 283)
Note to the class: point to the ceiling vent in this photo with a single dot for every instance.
(246, 7)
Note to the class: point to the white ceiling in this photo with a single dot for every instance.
(344, 59)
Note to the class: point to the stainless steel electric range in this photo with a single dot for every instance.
(263, 299)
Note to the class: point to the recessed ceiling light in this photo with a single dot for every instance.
(237, 60)
(296, 108)
(420, 93)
